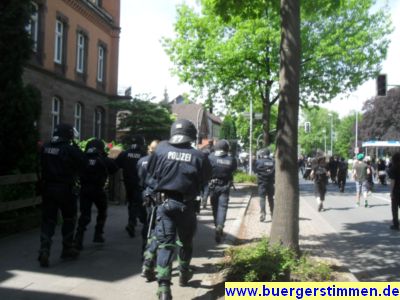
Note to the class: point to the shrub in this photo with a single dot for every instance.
(261, 262)
(241, 177)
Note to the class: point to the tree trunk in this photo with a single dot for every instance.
(285, 223)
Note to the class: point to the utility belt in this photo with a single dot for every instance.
(176, 196)
(217, 182)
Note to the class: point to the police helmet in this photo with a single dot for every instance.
(65, 131)
(182, 131)
(222, 145)
(264, 153)
(95, 146)
(137, 139)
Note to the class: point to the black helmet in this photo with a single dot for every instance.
(95, 146)
(65, 131)
(182, 131)
(222, 145)
(137, 139)
(264, 153)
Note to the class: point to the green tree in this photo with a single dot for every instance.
(19, 104)
(144, 117)
(233, 52)
(345, 138)
(228, 129)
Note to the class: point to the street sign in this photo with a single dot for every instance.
(356, 150)
(258, 116)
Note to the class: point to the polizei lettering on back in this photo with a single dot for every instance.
(52, 151)
(225, 162)
(179, 156)
(134, 155)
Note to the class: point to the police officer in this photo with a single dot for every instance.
(93, 181)
(265, 170)
(61, 163)
(180, 172)
(150, 201)
(342, 174)
(223, 166)
(127, 160)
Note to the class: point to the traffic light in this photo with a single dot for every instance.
(307, 127)
(381, 85)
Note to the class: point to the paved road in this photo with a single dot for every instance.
(359, 236)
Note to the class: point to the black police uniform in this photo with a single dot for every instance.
(223, 166)
(150, 201)
(93, 181)
(180, 172)
(127, 160)
(265, 170)
(61, 163)
(206, 192)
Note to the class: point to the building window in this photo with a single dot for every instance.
(55, 113)
(78, 119)
(33, 26)
(98, 123)
(100, 64)
(80, 53)
(59, 39)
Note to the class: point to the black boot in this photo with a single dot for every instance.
(78, 240)
(164, 291)
(44, 258)
(98, 237)
(69, 252)
(131, 230)
(218, 234)
(184, 276)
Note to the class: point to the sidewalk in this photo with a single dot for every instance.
(112, 270)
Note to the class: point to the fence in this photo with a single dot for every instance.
(20, 203)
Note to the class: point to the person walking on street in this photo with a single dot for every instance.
(342, 174)
(180, 172)
(61, 163)
(265, 170)
(382, 171)
(394, 175)
(205, 193)
(320, 175)
(360, 177)
(92, 182)
(127, 160)
(223, 165)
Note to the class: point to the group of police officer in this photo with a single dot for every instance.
(162, 188)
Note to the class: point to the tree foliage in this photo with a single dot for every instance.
(228, 129)
(19, 104)
(141, 116)
(381, 117)
(231, 49)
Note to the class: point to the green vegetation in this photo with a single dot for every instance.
(241, 177)
(261, 261)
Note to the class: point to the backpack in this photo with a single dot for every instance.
(320, 173)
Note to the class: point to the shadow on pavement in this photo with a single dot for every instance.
(14, 294)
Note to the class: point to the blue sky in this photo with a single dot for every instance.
(145, 67)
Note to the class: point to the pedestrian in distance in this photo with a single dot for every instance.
(223, 165)
(307, 169)
(265, 170)
(150, 200)
(320, 175)
(394, 175)
(360, 177)
(180, 172)
(342, 174)
(381, 167)
(61, 163)
(370, 175)
(127, 160)
(93, 181)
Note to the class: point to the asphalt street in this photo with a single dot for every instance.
(360, 237)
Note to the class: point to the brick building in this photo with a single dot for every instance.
(75, 64)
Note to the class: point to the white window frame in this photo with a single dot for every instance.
(33, 26)
(78, 118)
(97, 123)
(55, 112)
(58, 43)
(100, 63)
(80, 53)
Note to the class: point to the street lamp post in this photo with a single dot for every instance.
(324, 131)
(356, 141)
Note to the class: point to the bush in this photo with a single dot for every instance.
(241, 177)
(262, 262)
